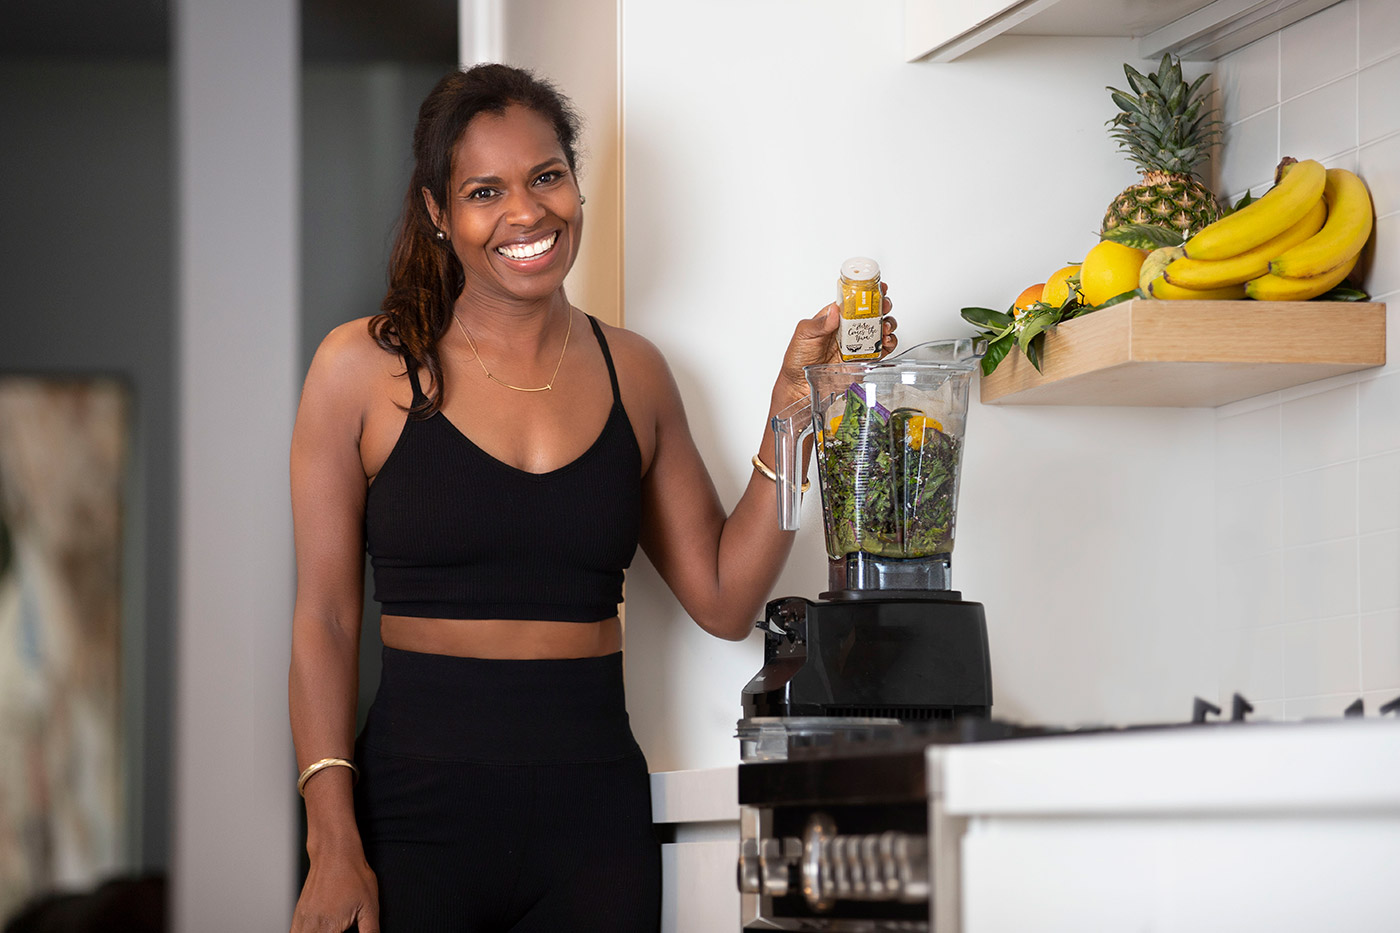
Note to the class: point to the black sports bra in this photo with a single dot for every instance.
(454, 533)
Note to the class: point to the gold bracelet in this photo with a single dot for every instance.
(321, 765)
(762, 467)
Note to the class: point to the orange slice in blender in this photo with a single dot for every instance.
(915, 428)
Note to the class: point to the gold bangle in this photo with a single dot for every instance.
(321, 765)
(762, 467)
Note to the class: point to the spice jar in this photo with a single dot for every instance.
(862, 307)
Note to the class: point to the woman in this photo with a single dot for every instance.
(500, 454)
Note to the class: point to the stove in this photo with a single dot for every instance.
(866, 825)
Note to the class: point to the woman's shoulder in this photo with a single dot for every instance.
(350, 360)
(634, 354)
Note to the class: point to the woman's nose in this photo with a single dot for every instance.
(523, 207)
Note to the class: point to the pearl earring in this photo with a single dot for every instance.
(581, 199)
(441, 235)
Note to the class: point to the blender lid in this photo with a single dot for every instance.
(957, 354)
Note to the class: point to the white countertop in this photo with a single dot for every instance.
(702, 795)
(1257, 767)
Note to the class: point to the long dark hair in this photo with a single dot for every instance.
(425, 276)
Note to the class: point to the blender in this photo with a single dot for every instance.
(890, 641)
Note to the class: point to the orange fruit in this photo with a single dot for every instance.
(915, 428)
(1027, 298)
(1057, 286)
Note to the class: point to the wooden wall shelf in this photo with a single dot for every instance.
(1186, 354)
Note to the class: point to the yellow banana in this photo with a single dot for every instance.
(1299, 186)
(1277, 288)
(1217, 273)
(1348, 227)
(1161, 289)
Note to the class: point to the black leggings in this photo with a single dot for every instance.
(504, 796)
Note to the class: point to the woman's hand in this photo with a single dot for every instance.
(814, 341)
(340, 894)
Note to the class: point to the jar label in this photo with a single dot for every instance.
(860, 338)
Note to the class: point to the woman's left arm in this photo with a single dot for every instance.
(721, 567)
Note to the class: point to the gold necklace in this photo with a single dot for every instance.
(544, 388)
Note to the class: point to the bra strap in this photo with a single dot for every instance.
(607, 356)
(412, 366)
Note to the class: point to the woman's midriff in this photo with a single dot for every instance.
(502, 638)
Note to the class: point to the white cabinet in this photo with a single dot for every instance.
(1196, 30)
(697, 815)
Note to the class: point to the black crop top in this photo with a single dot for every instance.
(454, 533)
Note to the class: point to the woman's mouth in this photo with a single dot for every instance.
(523, 251)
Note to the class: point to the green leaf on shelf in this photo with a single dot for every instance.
(1143, 236)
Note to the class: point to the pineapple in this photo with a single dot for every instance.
(1167, 135)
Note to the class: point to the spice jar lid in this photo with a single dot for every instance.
(860, 269)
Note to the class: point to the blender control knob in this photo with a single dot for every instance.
(776, 860)
(749, 875)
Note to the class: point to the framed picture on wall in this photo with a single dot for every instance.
(64, 446)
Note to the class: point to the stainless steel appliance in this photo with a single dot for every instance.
(958, 827)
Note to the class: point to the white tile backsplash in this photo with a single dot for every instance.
(1378, 29)
(1379, 164)
(1309, 575)
(1380, 650)
(1248, 155)
(1248, 80)
(1247, 447)
(1378, 415)
(1384, 275)
(1319, 505)
(1319, 581)
(1249, 519)
(1320, 123)
(1379, 566)
(1378, 493)
(1319, 430)
(1317, 50)
(1320, 657)
(1378, 100)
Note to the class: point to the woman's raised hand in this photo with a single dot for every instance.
(814, 341)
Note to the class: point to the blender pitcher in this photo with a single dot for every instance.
(889, 438)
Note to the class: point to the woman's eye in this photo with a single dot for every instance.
(481, 194)
(548, 177)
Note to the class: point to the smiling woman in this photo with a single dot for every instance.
(501, 476)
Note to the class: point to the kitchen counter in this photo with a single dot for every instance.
(1260, 826)
(697, 817)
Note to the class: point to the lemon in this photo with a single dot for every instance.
(1057, 286)
(1109, 270)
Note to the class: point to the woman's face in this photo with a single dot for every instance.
(514, 217)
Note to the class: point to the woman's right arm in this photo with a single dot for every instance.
(328, 499)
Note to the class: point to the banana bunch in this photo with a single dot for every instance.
(1299, 240)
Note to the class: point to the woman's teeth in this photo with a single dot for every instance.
(529, 250)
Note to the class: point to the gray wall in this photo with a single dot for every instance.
(86, 260)
(356, 138)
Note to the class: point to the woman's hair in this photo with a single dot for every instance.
(425, 276)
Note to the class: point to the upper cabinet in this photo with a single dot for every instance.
(1195, 30)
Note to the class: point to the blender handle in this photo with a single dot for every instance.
(790, 426)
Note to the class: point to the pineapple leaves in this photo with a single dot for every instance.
(1144, 236)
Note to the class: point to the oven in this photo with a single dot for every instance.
(980, 826)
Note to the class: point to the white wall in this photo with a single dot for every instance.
(1309, 479)
(767, 141)
(236, 85)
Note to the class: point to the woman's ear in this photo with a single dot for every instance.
(433, 210)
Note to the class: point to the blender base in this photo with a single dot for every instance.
(882, 654)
